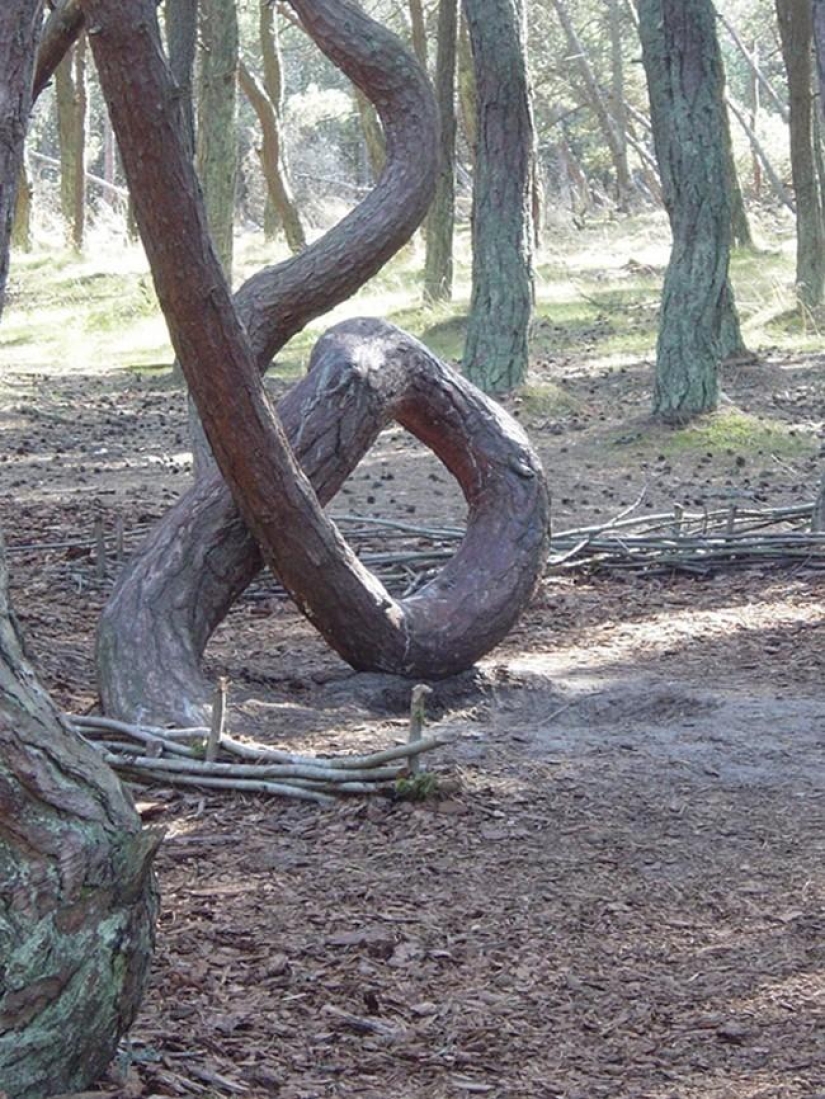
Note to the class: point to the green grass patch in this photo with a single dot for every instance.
(731, 429)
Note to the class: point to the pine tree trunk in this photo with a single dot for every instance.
(686, 86)
(796, 33)
(495, 353)
(70, 100)
(280, 198)
(438, 262)
(217, 144)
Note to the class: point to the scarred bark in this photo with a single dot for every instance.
(349, 607)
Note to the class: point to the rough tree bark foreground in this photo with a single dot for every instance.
(198, 559)
(77, 901)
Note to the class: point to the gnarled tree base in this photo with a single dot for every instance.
(77, 900)
(363, 375)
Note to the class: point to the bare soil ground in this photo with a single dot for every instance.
(619, 890)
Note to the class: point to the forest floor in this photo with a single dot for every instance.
(618, 891)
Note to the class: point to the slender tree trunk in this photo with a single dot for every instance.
(468, 109)
(419, 32)
(77, 918)
(217, 150)
(686, 85)
(778, 186)
(282, 203)
(617, 106)
(796, 33)
(438, 263)
(70, 99)
(607, 124)
(495, 353)
(752, 61)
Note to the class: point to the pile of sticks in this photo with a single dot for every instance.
(209, 758)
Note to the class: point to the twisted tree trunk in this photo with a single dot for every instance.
(455, 619)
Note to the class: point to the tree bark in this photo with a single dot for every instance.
(686, 86)
(796, 33)
(495, 352)
(217, 150)
(429, 634)
(77, 919)
(438, 262)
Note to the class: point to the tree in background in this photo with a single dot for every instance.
(495, 352)
(438, 262)
(71, 101)
(266, 98)
(686, 86)
(77, 918)
(217, 141)
(796, 32)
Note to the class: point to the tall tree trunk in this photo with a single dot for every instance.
(278, 191)
(77, 918)
(70, 100)
(618, 110)
(466, 85)
(466, 608)
(438, 262)
(283, 203)
(796, 33)
(495, 353)
(685, 80)
(217, 141)
(419, 32)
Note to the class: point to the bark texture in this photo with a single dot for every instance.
(495, 353)
(686, 86)
(77, 901)
(796, 34)
(457, 617)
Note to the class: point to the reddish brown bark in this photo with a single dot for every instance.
(203, 557)
(449, 625)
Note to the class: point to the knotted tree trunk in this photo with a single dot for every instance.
(181, 584)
